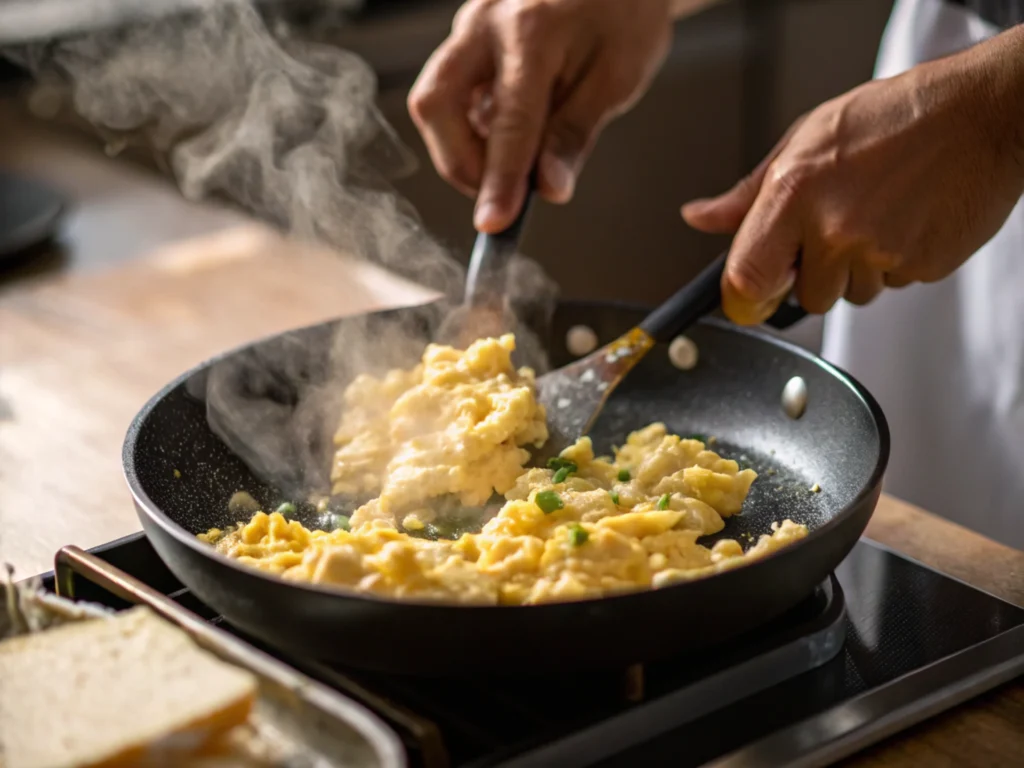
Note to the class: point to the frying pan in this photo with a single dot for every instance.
(182, 475)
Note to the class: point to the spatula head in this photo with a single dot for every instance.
(574, 395)
(465, 324)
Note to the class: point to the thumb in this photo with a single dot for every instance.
(521, 100)
(761, 268)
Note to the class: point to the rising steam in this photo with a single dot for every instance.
(291, 133)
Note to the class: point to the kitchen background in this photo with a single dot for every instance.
(737, 76)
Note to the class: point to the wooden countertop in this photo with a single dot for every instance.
(148, 285)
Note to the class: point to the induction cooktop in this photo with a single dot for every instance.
(884, 643)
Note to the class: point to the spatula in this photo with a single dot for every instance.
(575, 394)
(484, 310)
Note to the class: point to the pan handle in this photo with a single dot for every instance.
(701, 296)
(697, 298)
(789, 313)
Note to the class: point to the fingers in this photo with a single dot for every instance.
(865, 283)
(895, 280)
(823, 279)
(742, 311)
(440, 103)
(760, 270)
(521, 100)
(724, 214)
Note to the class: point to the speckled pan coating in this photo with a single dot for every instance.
(181, 476)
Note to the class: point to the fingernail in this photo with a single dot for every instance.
(768, 307)
(486, 215)
(787, 285)
(696, 206)
(745, 289)
(696, 209)
(559, 176)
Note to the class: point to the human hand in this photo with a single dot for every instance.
(525, 82)
(897, 181)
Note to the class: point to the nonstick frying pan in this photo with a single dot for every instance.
(182, 476)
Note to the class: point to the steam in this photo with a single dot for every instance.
(291, 133)
(288, 132)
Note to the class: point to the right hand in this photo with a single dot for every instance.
(547, 76)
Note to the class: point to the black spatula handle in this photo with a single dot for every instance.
(697, 298)
(488, 264)
(700, 297)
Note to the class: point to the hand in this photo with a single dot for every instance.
(518, 79)
(897, 181)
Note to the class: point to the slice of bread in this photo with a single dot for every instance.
(131, 690)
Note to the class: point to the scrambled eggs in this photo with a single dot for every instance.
(457, 426)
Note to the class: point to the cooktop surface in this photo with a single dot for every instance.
(885, 643)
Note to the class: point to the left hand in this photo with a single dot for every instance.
(897, 181)
(524, 82)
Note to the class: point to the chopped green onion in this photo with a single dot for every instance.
(287, 509)
(615, 496)
(699, 437)
(177, 474)
(578, 535)
(623, 475)
(548, 501)
(560, 475)
(558, 463)
(663, 502)
(431, 531)
(340, 523)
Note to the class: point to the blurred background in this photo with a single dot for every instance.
(737, 76)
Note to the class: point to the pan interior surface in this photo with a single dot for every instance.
(733, 395)
(286, 401)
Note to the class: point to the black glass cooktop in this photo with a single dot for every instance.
(885, 643)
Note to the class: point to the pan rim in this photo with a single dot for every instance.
(157, 516)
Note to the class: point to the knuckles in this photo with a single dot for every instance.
(424, 101)
(789, 180)
(513, 119)
(471, 14)
(528, 19)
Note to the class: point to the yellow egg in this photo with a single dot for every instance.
(459, 427)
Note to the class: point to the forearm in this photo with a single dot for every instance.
(990, 79)
(1003, 59)
(683, 8)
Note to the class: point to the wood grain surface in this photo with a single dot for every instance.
(82, 354)
(87, 339)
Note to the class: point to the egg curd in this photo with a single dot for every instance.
(456, 429)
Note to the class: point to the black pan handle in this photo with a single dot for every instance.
(697, 298)
(488, 263)
(700, 297)
(789, 313)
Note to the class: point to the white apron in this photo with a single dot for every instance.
(946, 360)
